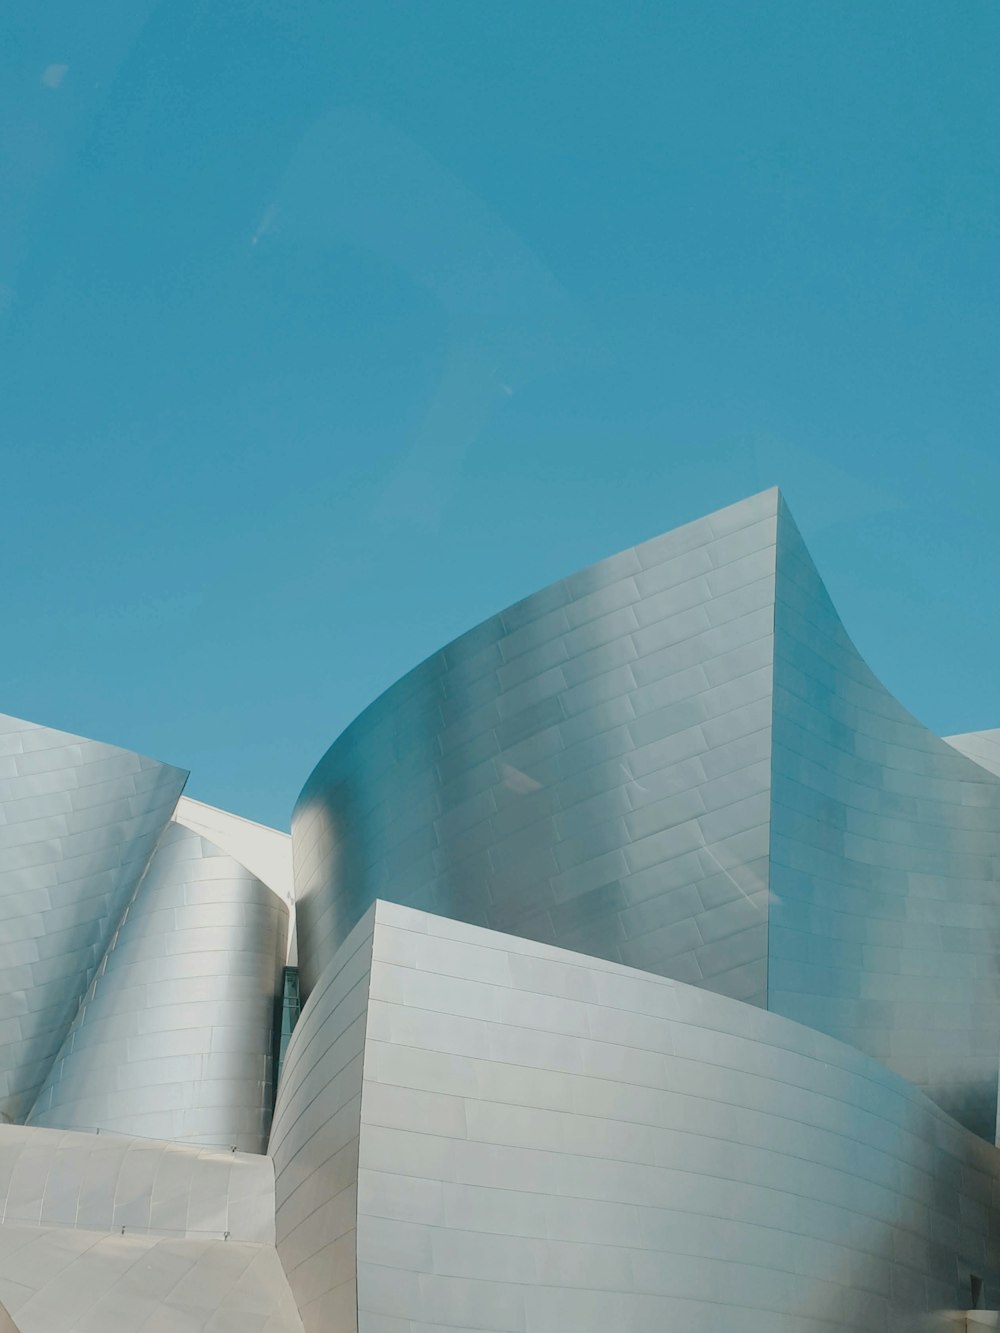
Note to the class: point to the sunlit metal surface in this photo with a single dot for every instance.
(589, 768)
(173, 1039)
(78, 822)
(547, 1141)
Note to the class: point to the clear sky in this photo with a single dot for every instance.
(330, 328)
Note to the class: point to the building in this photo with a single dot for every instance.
(648, 969)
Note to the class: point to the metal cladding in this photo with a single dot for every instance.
(486, 1132)
(314, 1141)
(79, 823)
(885, 864)
(649, 956)
(171, 1040)
(677, 760)
(590, 769)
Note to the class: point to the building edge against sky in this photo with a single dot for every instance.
(631, 826)
(678, 760)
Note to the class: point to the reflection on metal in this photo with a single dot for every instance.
(172, 1039)
(79, 822)
(489, 1117)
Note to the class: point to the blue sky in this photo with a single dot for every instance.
(330, 328)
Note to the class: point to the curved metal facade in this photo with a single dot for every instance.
(885, 863)
(547, 1141)
(589, 768)
(173, 1038)
(677, 760)
(80, 820)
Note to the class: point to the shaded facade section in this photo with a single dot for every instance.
(545, 1140)
(589, 768)
(79, 822)
(885, 863)
(174, 1037)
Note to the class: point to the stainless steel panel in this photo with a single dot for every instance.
(516, 772)
(885, 863)
(677, 760)
(78, 823)
(173, 1039)
(314, 1142)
